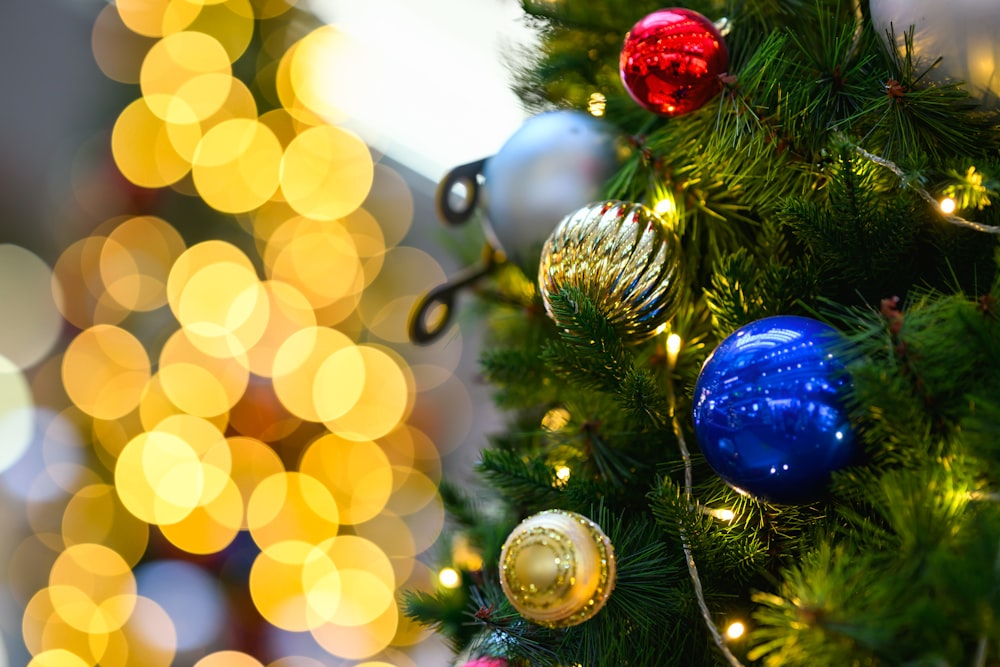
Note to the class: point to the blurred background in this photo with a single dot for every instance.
(219, 446)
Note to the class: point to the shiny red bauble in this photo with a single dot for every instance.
(672, 61)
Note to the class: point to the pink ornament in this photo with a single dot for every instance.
(672, 60)
(486, 662)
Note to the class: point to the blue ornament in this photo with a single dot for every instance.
(768, 409)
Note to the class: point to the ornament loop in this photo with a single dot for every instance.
(468, 175)
(444, 295)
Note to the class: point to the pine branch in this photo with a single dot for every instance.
(592, 354)
(528, 480)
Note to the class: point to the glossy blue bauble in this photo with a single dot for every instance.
(768, 409)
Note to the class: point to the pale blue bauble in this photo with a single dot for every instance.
(554, 164)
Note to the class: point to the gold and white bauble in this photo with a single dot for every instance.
(557, 568)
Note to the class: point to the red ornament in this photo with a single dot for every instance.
(486, 662)
(672, 60)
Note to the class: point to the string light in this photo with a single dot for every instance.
(563, 473)
(596, 104)
(665, 207)
(735, 630)
(722, 515)
(465, 555)
(555, 419)
(925, 195)
(947, 205)
(673, 348)
(449, 578)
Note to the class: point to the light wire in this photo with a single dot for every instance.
(688, 556)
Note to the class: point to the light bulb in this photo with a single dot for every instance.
(563, 473)
(735, 630)
(722, 515)
(673, 348)
(947, 205)
(596, 104)
(665, 207)
(449, 578)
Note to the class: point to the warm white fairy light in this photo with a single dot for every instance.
(596, 104)
(563, 473)
(726, 515)
(735, 630)
(555, 419)
(665, 207)
(673, 348)
(947, 205)
(449, 577)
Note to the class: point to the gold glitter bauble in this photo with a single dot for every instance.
(623, 257)
(557, 568)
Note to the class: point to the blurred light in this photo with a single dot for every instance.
(143, 146)
(357, 473)
(198, 383)
(53, 466)
(449, 578)
(563, 473)
(947, 205)
(665, 207)
(96, 515)
(57, 657)
(192, 599)
(117, 50)
(156, 18)
(92, 588)
(235, 167)
(383, 400)
(231, 22)
(735, 630)
(464, 555)
(317, 258)
(228, 659)
(17, 421)
(673, 348)
(326, 172)
(29, 304)
(291, 506)
(185, 77)
(596, 104)
(297, 365)
(555, 419)
(105, 369)
(135, 262)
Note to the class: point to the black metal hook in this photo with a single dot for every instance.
(468, 175)
(444, 295)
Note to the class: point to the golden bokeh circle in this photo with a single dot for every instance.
(104, 370)
(326, 172)
(185, 77)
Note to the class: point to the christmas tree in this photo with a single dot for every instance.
(751, 390)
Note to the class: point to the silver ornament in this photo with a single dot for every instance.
(962, 33)
(623, 257)
(555, 163)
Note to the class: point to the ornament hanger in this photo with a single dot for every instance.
(444, 295)
(453, 214)
(467, 175)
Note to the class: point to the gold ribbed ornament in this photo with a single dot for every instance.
(623, 257)
(557, 568)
